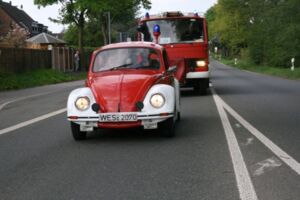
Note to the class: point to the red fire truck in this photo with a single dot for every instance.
(185, 38)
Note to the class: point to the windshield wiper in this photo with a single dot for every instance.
(120, 66)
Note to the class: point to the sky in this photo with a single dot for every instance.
(200, 6)
(42, 15)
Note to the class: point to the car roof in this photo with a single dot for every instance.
(130, 45)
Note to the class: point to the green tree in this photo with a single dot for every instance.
(71, 12)
(123, 19)
(226, 20)
(210, 16)
(267, 30)
(122, 14)
(16, 36)
(92, 34)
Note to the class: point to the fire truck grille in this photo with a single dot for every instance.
(191, 63)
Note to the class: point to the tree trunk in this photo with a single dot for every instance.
(81, 49)
(104, 34)
(80, 27)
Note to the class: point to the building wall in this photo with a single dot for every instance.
(5, 23)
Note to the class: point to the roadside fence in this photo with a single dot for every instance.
(13, 60)
(63, 59)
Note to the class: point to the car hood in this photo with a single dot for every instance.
(118, 91)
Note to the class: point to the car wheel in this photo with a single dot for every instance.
(77, 134)
(167, 128)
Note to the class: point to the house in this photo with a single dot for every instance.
(11, 16)
(44, 41)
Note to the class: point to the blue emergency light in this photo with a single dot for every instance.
(147, 16)
(156, 30)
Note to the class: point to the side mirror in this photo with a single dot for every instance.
(86, 83)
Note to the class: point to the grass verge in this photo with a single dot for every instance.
(262, 69)
(36, 78)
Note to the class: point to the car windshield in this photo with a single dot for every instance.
(129, 58)
(175, 30)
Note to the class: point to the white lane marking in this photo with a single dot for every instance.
(286, 158)
(32, 121)
(244, 183)
(266, 165)
(22, 98)
(4, 104)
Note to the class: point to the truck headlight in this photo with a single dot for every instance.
(201, 63)
(157, 100)
(82, 103)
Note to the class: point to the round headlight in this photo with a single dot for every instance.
(157, 100)
(82, 103)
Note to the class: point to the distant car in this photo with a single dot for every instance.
(128, 85)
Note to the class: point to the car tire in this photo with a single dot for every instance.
(77, 134)
(167, 128)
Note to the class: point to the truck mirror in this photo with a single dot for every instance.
(172, 68)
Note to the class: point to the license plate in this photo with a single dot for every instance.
(118, 117)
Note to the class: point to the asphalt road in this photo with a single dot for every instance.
(240, 141)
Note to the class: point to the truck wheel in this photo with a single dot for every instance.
(200, 90)
(77, 134)
(203, 91)
(167, 128)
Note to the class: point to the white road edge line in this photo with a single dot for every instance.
(32, 121)
(244, 183)
(22, 98)
(286, 158)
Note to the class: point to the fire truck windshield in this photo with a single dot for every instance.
(178, 30)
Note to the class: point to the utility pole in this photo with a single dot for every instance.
(108, 26)
(120, 37)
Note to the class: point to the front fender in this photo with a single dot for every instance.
(168, 92)
(178, 95)
(73, 96)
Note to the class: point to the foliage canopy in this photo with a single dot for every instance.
(265, 32)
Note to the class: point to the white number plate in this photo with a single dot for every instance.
(118, 117)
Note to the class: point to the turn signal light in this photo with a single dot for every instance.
(73, 117)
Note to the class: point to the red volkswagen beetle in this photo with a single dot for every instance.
(128, 85)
